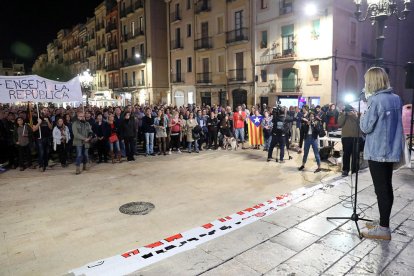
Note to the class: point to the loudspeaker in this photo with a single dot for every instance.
(409, 76)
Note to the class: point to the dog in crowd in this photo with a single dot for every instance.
(230, 143)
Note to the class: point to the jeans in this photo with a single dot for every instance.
(309, 141)
(281, 141)
(381, 173)
(114, 147)
(267, 141)
(81, 155)
(190, 145)
(239, 134)
(149, 143)
(43, 149)
(122, 147)
(350, 151)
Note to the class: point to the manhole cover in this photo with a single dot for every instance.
(136, 208)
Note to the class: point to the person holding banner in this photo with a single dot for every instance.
(81, 140)
(42, 130)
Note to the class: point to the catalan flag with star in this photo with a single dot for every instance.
(255, 130)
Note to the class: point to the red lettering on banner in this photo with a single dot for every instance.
(269, 201)
(258, 206)
(208, 226)
(130, 253)
(222, 220)
(153, 245)
(261, 214)
(240, 213)
(173, 238)
(249, 210)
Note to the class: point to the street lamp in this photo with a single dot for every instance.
(378, 11)
(311, 9)
(86, 80)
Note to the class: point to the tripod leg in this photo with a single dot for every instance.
(359, 231)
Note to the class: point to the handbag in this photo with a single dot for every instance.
(321, 132)
(113, 138)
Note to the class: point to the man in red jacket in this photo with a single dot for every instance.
(238, 124)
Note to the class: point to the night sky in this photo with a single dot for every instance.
(27, 26)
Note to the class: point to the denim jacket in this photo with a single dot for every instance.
(382, 123)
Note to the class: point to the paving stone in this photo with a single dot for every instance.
(265, 256)
(190, 262)
(340, 240)
(241, 240)
(406, 256)
(289, 216)
(312, 261)
(363, 249)
(319, 225)
(398, 268)
(295, 239)
(319, 202)
(342, 266)
(232, 267)
(338, 210)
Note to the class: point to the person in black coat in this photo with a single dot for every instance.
(311, 129)
(129, 135)
(102, 131)
(149, 131)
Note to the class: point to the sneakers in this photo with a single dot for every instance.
(282, 161)
(345, 173)
(301, 168)
(170, 152)
(179, 151)
(317, 170)
(371, 224)
(378, 233)
(269, 159)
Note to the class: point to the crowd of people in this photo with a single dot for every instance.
(110, 134)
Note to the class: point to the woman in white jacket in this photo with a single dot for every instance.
(61, 137)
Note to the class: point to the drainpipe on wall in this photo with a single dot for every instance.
(168, 2)
(253, 48)
(335, 65)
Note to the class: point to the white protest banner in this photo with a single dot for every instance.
(33, 88)
(143, 256)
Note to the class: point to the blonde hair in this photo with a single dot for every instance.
(376, 79)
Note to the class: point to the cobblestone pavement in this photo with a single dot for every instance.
(299, 240)
(55, 221)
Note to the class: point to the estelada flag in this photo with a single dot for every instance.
(255, 130)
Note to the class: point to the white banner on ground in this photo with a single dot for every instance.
(138, 258)
(33, 88)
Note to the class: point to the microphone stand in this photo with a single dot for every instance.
(355, 216)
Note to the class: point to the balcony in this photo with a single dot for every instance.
(237, 35)
(205, 77)
(133, 61)
(99, 26)
(175, 16)
(139, 5)
(141, 83)
(132, 35)
(112, 67)
(112, 46)
(237, 75)
(203, 43)
(100, 46)
(177, 78)
(126, 11)
(111, 26)
(202, 6)
(285, 8)
(114, 85)
(177, 44)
